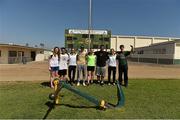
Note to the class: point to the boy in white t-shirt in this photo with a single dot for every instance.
(63, 64)
(112, 66)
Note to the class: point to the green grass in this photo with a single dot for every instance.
(144, 99)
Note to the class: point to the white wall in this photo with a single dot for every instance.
(177, 51)
(141, 42)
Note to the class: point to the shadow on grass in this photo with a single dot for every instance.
(46, 84)
(51, 106)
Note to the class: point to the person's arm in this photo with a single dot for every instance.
(131, 52)
(49, 63)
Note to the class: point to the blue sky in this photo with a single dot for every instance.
(44, 21)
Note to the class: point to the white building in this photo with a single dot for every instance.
(11, 53)
(136, 41)
(160, 53)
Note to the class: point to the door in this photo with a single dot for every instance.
(33, 55)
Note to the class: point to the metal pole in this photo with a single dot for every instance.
(89, 25)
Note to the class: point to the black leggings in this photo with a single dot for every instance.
(113, 70)
(72, 69)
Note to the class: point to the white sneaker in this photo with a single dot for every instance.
(78, 84)
(84, 84)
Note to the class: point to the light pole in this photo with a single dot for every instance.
(89, 25)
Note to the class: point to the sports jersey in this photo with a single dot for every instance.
(81, 58)
(63, 61)
(53, 61)
(91, 60)
(72, 59)
(112, 61)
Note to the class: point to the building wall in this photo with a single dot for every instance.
(177, 51)
(163, 53)
(136, 41)
(4, 56)
(141, 42)
(5, 59)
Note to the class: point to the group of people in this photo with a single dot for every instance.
(85, 63)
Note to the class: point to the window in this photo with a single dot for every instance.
(141, 52)
(159, 51)
(106, 39)
(12, 53)
(69, 38)
(74, 38)
(95, 46)
(84, 35)
(70, 45)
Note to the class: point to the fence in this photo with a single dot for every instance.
(12, 60)
(153, 58)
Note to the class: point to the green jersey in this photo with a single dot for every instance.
(121, 57)
(91, 60)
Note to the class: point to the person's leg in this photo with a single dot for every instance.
(92, 76)
(98, 74)
(74, 73)
(126, 75)
(114, 75)
(52, 76)
(69, 73)
(109, 75)
(84, 74)
(89, 76)
(103, 74)
(78, 74)
(120, 75)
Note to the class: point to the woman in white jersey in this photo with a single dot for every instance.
(112, 67)
(63, 64)
(72, 66)
(54, 64)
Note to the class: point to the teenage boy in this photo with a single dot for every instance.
(123, 64)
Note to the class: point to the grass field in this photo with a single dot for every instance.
(144, 99)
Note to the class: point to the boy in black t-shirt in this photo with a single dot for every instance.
(101, 58)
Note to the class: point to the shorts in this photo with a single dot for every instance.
(90, 68)
(53, 69)
(62, 72)
(101, 71)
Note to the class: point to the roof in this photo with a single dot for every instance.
(162, 43)
(144, 37)
(20, 46)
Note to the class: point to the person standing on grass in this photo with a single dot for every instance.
(101, 58)
(112, 66)
(72, 66)
(123, 64)
(54, 65)
(91, 62)
(63, 64)
(81, 65)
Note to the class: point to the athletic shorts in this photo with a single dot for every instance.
(53, 69)
(90, 68)
(101, 71)
(62, 72)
